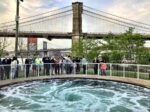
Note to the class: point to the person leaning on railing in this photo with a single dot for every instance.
(103, 68)
(17, 69)
(27, 66)
(46, 62)
(84, 64)
(1, 70)
(57, 61)
(13, 68)
(95, 61)
(52, 65)
(34, 66)
(38, 63)
(6, 62)
(78, 65)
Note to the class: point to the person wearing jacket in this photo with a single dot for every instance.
(103, 68)
(1, 70)
(84, 64)
(7, 67)
(96, 61)
(38, 64)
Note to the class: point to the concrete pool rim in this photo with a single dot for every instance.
(125, 80)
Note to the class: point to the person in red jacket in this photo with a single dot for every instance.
(103, 68)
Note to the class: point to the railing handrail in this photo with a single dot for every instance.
(110, 69)
(88, 63)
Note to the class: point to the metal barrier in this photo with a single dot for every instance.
(120, 70)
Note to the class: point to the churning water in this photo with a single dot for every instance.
(74, 95)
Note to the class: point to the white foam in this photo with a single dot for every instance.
(52, 95)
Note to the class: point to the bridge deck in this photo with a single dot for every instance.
(58, 35)
(140, 82)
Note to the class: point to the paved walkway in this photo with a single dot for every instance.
(145, 83)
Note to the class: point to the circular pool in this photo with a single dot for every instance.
(74, 95)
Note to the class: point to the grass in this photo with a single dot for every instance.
(118, 73)
(90, 71)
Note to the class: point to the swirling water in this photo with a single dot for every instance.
(74, 95)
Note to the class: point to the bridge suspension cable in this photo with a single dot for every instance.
(45, 22)
(126, 19)
(96, 16)
(124, 25)
(110, 19)
(53, 16)
(37, 15)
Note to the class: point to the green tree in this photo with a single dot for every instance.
(78, 49)
(116, 57)
(143, 56)
(86, 47)
(128, 44)
(114, 48)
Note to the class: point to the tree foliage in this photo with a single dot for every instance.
(129, 46)
(114, 48)
(88, 48)
(3, 45)
(78, 49)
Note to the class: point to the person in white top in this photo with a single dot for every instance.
(13, 67)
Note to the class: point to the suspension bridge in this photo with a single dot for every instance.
(73, 22)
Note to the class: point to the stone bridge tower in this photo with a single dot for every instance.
(77, 8)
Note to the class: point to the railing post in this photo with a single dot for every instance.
(50, 68)
(86, 69)
(98, 69)
(38, 70)
(44, 69)
(138, 75)
(110, 69)
(74, 68)
(10, 73)
(25, 71)
(124, 70)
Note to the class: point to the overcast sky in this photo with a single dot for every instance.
(138, 10)
(134, 9)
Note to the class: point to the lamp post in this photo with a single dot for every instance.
(17, 26)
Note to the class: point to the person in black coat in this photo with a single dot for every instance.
(52, 65)
(96, 61)
(46, 62)
(27, 66)
(1, 70)
(78, 65)
(6, 62)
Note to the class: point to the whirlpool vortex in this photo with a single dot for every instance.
(74, 95)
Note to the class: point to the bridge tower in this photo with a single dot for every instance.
(77, 8)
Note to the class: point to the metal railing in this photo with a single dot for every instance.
(120, 70)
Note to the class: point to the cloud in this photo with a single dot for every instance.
(30, 8)
(7, 10)
(132, 9)
(27, 8)
(3, 7)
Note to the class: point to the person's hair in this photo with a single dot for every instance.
(14, 58)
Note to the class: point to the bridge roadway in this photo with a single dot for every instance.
(134, 81)
(56, 35)
(47, 35)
